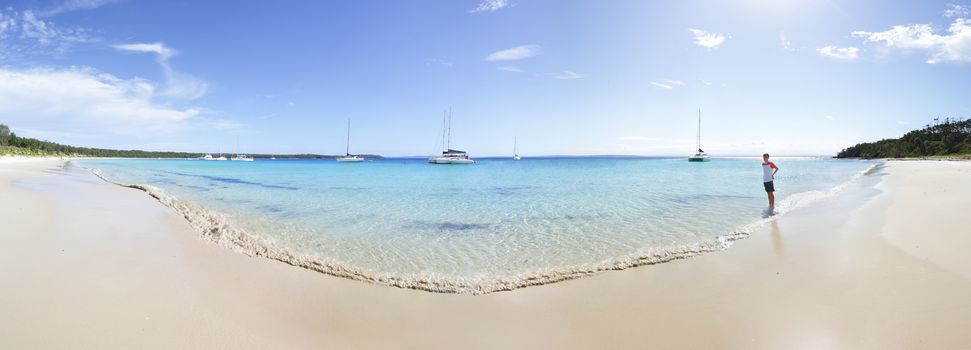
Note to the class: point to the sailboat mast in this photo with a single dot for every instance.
(449, 141)
(699, 130)
(515, 143)
(347, 149)
(444, 128)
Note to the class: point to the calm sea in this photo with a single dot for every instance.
(496, 225)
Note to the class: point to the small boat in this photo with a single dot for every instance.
(221, 158)
(452, 156)
(240, 157)
(348, 157)
(700, 156)
(206, 157)
(515, 152)
(449, 155)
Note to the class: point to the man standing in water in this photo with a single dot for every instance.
(768, 174)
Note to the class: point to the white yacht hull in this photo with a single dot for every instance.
(350, 160)
(450, 161)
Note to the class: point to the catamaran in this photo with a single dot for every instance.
(348, 157)
(221, 156)
(700, 156)
(240, 157)
(449, 155)
(515, 152)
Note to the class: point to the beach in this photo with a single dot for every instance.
(88, 264)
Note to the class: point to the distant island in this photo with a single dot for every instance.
(947, 138)
(11, 144)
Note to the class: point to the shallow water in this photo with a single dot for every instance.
(495, 225)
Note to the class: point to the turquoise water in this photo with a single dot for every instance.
(498, 224)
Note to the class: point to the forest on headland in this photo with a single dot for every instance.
(944, 137)
(11, 144)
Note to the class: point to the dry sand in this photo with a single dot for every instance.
(85, 264)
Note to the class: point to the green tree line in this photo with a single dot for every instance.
(12, 144)
(942, 138)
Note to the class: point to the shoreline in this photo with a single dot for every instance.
(214, 227)
(88, 264)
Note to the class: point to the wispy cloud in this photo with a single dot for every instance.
(829, 117)
(567, 75)
(178, 85)
(660, 85)
(25, 34)
(490, 6)
(667, 84)
(515, 53)
(957, 10)
(842, 53)
(512, 69)
(784, 41)
(953, 46)
(438, 61)
(163, 52)
(636, 138)
(74, 5)
(710, 40)
(84, 98)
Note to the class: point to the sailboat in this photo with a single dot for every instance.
(240, 157)
(348, 157)
(221, 156)
(449, 155)
(515, 152)
(700, 156)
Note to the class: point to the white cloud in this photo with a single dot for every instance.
(74, 5)
(829, 117)
(957, 10)
(567, 75)
(490, 6)
(663, 86)
(842, 53)
(178, 85)
(163, 52)
(83, 98)
(707, 83)
(636, 138)
(515, 53)
(954, 46)
(784, 40)
(706, 39)
(438, 61)
(674, 82)
(24, 34)
(512, 69)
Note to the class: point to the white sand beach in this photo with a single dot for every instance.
(87, 264)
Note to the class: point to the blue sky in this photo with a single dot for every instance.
(565, 77)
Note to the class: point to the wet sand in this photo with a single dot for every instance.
(86, 264)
